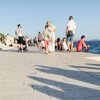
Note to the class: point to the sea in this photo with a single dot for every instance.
(95, 46)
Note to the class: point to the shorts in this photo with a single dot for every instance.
(46, 42)
(43, 47)
(70, 38)
(20, 40)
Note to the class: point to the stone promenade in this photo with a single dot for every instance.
(56, 76)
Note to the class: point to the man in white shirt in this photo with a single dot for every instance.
(70, 31)
(20, 35)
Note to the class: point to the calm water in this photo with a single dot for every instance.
(95, 46)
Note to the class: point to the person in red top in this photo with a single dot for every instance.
(81, 45)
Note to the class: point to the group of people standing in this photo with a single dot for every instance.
(47, 38)
(67, 42)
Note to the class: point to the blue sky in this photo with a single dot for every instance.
(33, 14)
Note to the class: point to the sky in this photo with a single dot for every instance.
(33, 14)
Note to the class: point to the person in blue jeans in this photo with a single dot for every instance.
(70, 31)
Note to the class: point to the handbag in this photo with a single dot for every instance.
(70, 33)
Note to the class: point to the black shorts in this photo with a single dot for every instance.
(43, 47)
(20, 40)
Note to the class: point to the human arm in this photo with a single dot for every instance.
(86, 46)
(67, 30)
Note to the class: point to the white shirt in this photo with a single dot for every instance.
(53, 30)
(42, 43)
(19, 32)
(65, 47)
(71, 26)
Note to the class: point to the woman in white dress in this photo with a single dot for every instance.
(52, 30)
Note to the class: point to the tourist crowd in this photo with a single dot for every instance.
(47, 41)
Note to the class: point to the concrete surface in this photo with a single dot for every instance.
(56, 76)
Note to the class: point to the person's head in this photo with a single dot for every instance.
(48, 23)
(58, 39)
(83, 37)
(19, 25)
(7, 34)
(64, 39)
(70, 17)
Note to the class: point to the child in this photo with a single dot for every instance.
(43, 45)
(46, 37)
(58, 44)
(64, 45)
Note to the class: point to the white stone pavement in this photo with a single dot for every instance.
(56, 76)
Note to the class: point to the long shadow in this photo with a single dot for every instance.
(28, 52)
(62, 91)
(98, 65)
(9, 51)
(87, 67)
(73, 74)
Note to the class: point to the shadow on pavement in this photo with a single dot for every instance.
(73, 74)
(66, 90)
(62, 91)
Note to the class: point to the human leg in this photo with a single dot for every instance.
(46, 46)
(71, 42)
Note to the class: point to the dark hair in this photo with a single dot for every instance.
(46, 26)
(83, 36)
(58, 39)
(18, 25)
(70, 17)
(48, 22)
(64, 38)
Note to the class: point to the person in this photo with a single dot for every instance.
(70, 31)
(35, 40)
(39, 39)
(43, 45)
(52, 31)
(81, 45)
(25, 43)
(20, 35)
(64, 45)
(9, 40)
(58, 43)
(46, 37)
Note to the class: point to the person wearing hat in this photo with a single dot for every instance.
(20, 36)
